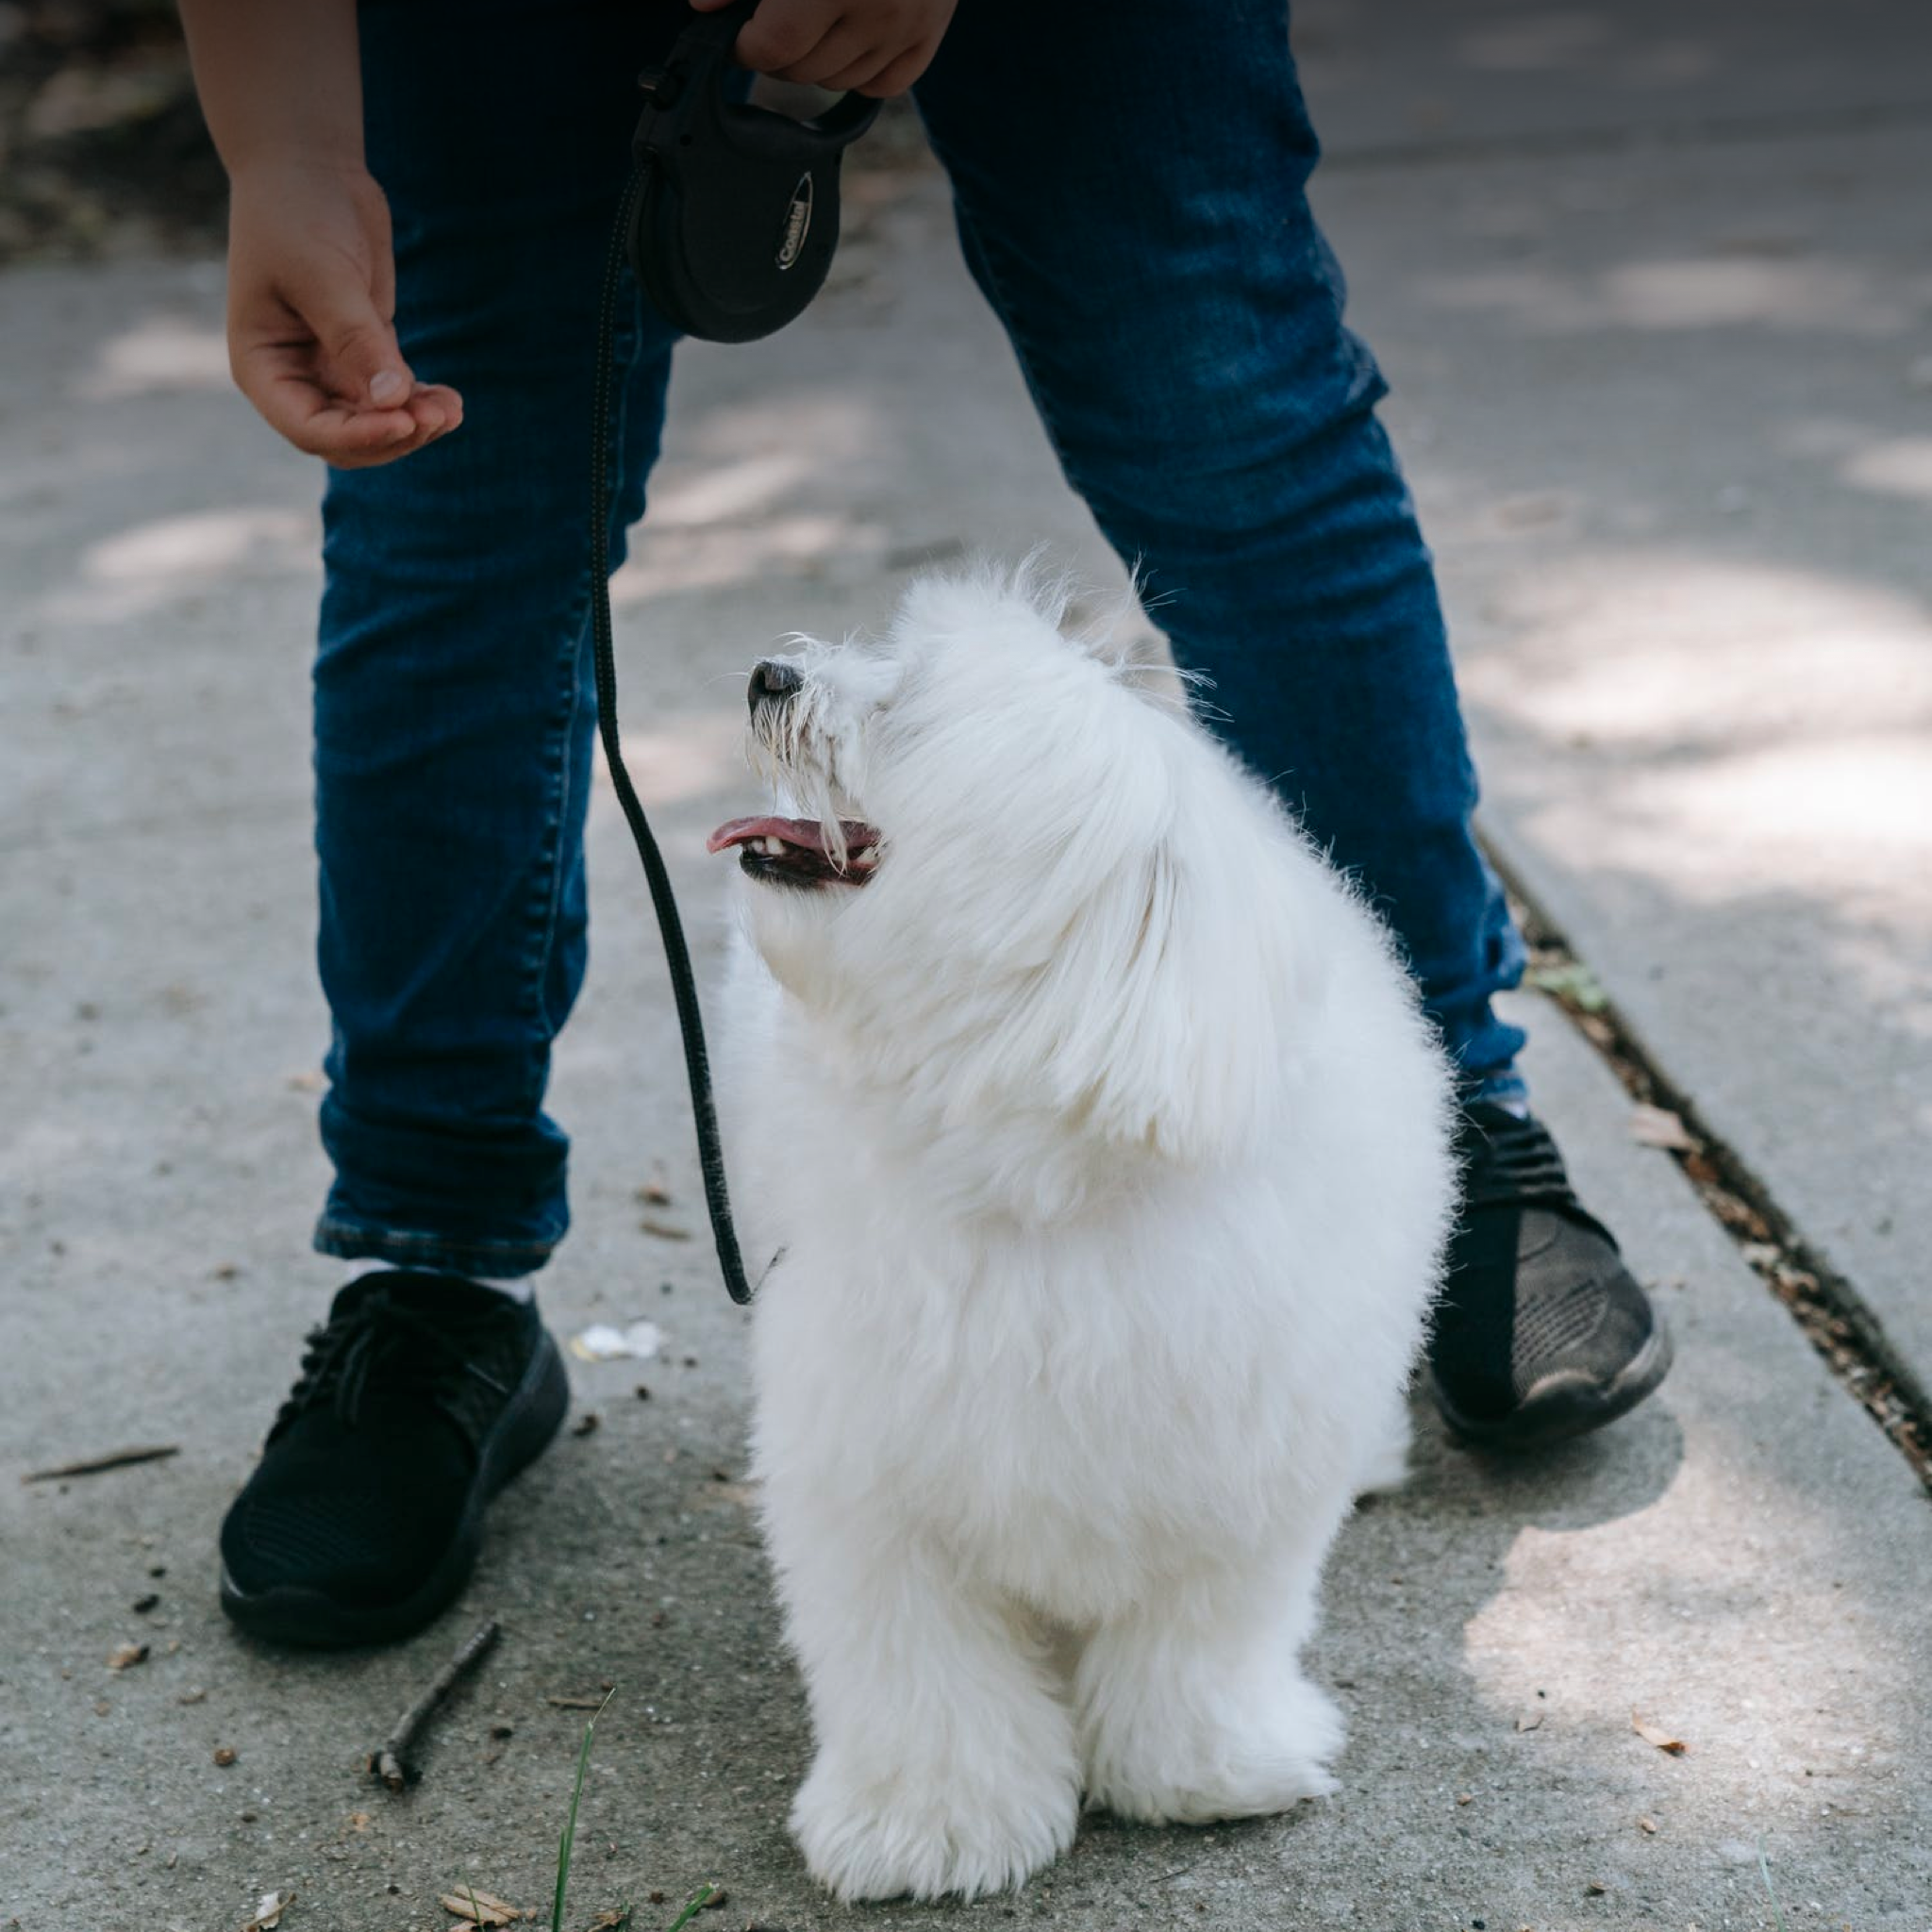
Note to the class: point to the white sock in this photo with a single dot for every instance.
(519, 1288)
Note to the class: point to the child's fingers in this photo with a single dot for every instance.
(435, 408)
(900, 74)
(286, 390)
(856, 74)
(783, 33)
(843, 48)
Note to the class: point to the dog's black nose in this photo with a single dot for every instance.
(771, 683)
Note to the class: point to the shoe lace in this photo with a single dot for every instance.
(1512, 1161)
(381, 1339)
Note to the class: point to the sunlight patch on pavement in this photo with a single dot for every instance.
(686, 758)
(159, 355)
(1820, 294)
(1901, 467)
(140, 569)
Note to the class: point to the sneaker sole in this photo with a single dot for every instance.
(529, 1422)
(1566, 1404)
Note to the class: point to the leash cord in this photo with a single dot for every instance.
(676, 953)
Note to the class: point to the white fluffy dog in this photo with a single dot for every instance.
(1107, 1152)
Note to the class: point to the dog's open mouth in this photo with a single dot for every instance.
(793, 851)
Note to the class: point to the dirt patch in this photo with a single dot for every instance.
(102, 147)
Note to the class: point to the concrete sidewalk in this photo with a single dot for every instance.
(1652, 290)
(1742, 1563)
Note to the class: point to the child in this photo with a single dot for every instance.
(1129, 180)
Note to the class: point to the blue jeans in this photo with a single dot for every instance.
(1129, 182)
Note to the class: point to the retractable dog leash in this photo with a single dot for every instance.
(729, 220)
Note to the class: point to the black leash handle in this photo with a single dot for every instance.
(691, 1023)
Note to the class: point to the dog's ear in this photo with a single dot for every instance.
(1188, 995)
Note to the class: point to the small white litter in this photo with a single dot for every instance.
(600, 1343)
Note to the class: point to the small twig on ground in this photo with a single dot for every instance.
(95, 1465)
(389, 1761)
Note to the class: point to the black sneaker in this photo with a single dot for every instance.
(1542, 1332)
(421, 1398)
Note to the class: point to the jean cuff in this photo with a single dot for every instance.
(439, 1254)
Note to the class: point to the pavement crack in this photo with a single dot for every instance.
(1833, 1315)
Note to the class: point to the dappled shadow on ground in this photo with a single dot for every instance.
(1668, 411)
(1670, 443)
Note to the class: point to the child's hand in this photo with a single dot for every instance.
(868, 46)
(311, 298)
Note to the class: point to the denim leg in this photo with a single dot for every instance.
(1129, 182)
(454, 704)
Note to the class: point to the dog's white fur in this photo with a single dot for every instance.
(1106, 1149)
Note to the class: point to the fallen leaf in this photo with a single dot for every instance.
(600, 1343)
(616, 1920)
(1657, 1127)
(1573, 983)
(664, 1230)
(124, 1656)
(481, 1908)
(360, 1821)
(224, 1754)
(1651, 1734)
(267, 1914)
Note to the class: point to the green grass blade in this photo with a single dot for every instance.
(1778, 1911)
(699, 1900)
(569, 1824)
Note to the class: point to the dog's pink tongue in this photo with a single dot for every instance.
(806, 832)
(732, 832)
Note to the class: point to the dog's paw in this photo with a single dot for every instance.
(874, 1834)
(1191, 1769)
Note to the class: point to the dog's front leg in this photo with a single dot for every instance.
(1192, 1705)
(945, 1758)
